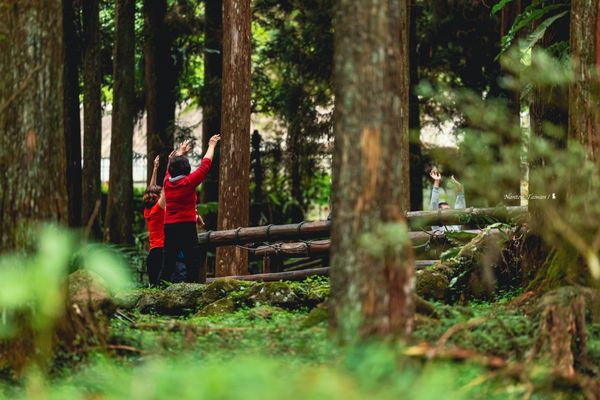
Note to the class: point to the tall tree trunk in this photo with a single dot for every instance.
(548, 105)
(512, 185)
(371, 294)
(119, 211)
(234, 191)
(32, 140)
(416, 158)
(160, 83)
(584, 93)
(92, 115)
(211, 98)
(295, 152)
(295, 149)
(72, 128)
(258, 178)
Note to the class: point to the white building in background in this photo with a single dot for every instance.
(191, 118)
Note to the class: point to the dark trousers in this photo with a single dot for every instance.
(181, 237)
(154, 264)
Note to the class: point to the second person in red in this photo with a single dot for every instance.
(180, 215)
(154, 213)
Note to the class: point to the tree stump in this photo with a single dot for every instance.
(561, 337)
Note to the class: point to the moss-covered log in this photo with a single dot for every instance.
(475, 270)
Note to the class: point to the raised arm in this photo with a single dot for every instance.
(198, 175)
(435, 192)
(460, 195)
(212, 143)
(162, 201)
(154, 171)
(183, 149)
(167, 174)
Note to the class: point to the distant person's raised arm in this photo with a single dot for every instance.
(460, 195)
(435, 191)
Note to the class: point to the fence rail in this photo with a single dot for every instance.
(311, 230)
(304, 237)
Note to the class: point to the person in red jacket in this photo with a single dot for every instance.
(154, 213)
(180, 214)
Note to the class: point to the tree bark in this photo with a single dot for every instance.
(211, 98)
(513, 99)
(160, 80)
(119, 212)
(32, 140)
(295, 148)
(416, 158)
(548, 105)
(234, 192)
(370, 174)
(92, 115)
(584, 115)
(72, 123)
(257, 168)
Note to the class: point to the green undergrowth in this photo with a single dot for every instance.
(489, 328)
(266, 331)
(267, 352)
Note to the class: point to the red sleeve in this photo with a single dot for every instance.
(199, 173)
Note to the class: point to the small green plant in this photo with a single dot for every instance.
(34, 298)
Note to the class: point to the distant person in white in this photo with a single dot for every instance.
(436, 204)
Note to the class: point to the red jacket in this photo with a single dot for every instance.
(180, 194)
(155, 217)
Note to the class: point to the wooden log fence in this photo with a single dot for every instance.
(320, 229)
(321, 247)
(313, 231)
(301, 274)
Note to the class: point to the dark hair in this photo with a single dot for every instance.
(151, 196)
(443, 203)
(179, 165)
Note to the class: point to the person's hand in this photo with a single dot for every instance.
(199, 221)
(435, 175)
(459, 186)
(173, 154)
(185, 147)
(212, 142)
(156, 162)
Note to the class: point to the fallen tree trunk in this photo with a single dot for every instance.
(320, 229)
(317, 247)
(465, 216)
(278, 276)
(299, 274)
(267, 233)
(321, 247)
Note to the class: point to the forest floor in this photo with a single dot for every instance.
(469, 351)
